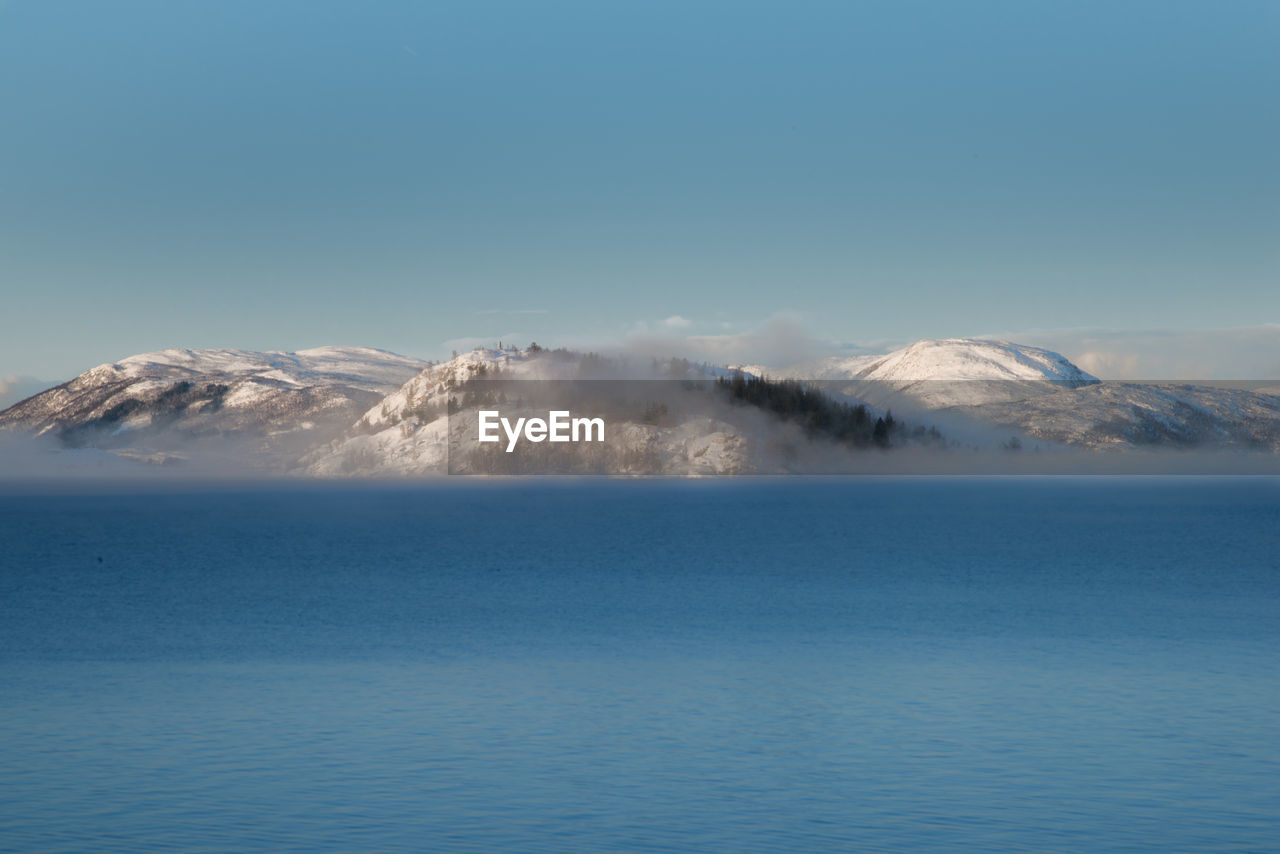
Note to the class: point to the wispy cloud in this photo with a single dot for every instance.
(14, 388)
(1238, 353)
(470, 342)
(785, 340)
(782, 339)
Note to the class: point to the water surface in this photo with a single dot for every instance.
(790, 664)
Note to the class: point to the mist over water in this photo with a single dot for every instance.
(925, 664)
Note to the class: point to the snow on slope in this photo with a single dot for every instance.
(408, 432)
(989, 386)
(830, 368)
(937, 373)
(427, 392)
(1119, 415)
(956, 359)
(360, 411)
(405, 433)
(1042, 395)
(354, 367)
(749, 370)
(162, 401)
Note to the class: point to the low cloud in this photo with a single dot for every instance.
(1109, 365)
(780, 340)
(1240, 353)
(471, 342)
(14, 388)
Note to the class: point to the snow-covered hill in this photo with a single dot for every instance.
(425, 395)
(973, 359)
(936, 373)
(976, 388)
(355, 367)
(1121, 415)
(354, 411)
(406, 432)
(830, 368)
(256, 405)
(409, 432)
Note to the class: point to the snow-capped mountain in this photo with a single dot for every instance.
(936, 373)
(343, 411)
(973, 359)
(426, 394)
(409, 433)
(406, 431)
(165, 401)
(354, 367)
(976, 386)
(1042, 395)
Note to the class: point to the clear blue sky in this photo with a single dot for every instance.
(279, 175)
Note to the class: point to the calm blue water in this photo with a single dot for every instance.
(774, 665)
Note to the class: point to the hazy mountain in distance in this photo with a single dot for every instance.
(15, 388)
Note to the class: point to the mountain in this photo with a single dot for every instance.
(1042, 395)
(259, 406)
(409, 432)
(405, 432)
(984, 392)
(335, 411)
(16, 388)
(935, 373)
(355, 411)
(1122, 415)
(974, 359)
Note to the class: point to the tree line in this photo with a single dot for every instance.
(820, 415)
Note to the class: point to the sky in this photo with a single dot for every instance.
(424, 176)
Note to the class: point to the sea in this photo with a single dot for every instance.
(892, 664)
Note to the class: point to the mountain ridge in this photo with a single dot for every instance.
(344, 410)
(166, 399)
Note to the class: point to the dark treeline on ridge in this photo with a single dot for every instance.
(674, 393)
(820, 415)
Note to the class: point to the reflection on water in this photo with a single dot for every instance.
(922, 664)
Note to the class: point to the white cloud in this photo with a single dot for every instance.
(780, 340)
(1240, 353)
(468, 343)
(1243, 353)
(14, 388)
